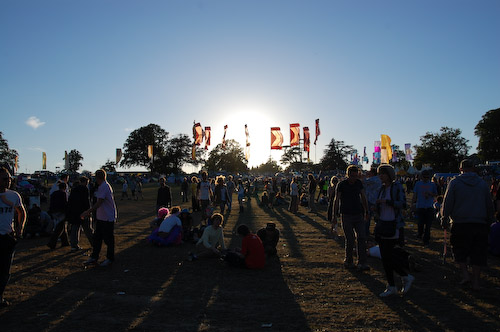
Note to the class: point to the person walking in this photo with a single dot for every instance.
(10, 230)
(422, 202)
(468, 207)
(105, 209)
(79, 202)
(350, 201)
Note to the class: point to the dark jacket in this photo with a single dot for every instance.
(78, 202)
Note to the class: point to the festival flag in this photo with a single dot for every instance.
(66, 160)
(294, 134)
(376, 153)
(408, 153)
(198, 134)
(355, 158)
(118, 156)
(385, 149)
(247, 146)
(44, 160)
(224, 138)
(15, 164)
(276, 138)
(395, 158)
(150, 151)
(365, 157)
(307, 139)
(207, 137)
(318, 132)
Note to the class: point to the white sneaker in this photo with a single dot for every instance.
(407, 281)
(106, 262)
(390, 290)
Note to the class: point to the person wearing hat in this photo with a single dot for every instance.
(468, 207)
(423, 202)
(270, 237)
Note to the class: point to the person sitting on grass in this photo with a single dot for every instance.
(162, 213)
(170, 230)
(212, 238)
(270, 237)
(251, 255)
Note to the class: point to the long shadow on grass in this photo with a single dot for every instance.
(434, 303)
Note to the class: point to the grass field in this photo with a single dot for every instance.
(305, 288)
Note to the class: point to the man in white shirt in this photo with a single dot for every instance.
(105, 209)
(10, 202)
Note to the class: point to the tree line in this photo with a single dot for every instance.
(442, 151)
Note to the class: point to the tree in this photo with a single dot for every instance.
(291, 155)
(401, 161)
(7, 155)
(74, 161)
(442, 151)
(136, 147)
(336, 155)
(177, 153)
(270, 167)
(489, 135)
(109, 166)
(231, 159)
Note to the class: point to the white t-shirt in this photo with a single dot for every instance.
(204, 190)
(9, 200)
(107, 210)
(169, 223)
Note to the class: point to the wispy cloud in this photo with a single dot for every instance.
(128, 130)
(34, 122)
(36, 149)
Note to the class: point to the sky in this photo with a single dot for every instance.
(84, 74)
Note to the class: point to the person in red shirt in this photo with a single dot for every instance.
(252, 254)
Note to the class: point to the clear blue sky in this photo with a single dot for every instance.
(88, 72)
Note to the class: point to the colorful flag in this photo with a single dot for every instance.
(307, 139)
(318, 132)
(385, 149)
(408, 153)
(276, 138)
(150, 151)
(247, 145)
(15, 164)
(207, 137)
(376, 153)
(394, 156)
(198, 134)
(118, 156)
(365, 157)
(294, 134)
(44, 160)
(224, 138)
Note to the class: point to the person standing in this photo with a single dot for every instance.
(220, 194)
(372, 186)
(350, 201)
(194, 194)
(230, 190)
(184, 190)
(57, 208)
(79, 202)
(311, 188)
(389, 205)
(105, 209)
(469, 208)
(423, 201)
(10, 206)
(204, 192)
(164, 197)
(294, 196)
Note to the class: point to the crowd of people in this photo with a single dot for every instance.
(464, 206)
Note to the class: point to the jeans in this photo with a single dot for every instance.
(104, 231)
(354, 229)
(425, 218)
(7, 246)
(75, 232)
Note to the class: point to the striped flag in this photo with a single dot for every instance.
(276, 138)
(408, 153)
(198, 133)
(294, 134)
(307, 139)
(224, 138)
(207, 137)
(247, 145)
